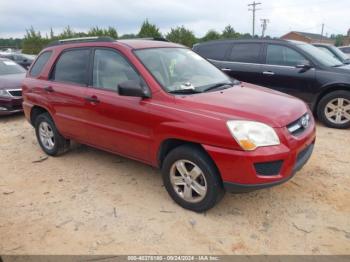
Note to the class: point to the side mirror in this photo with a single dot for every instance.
(304, 66)
(134, 88)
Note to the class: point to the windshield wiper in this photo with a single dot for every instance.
(220, 85)
(185, 91)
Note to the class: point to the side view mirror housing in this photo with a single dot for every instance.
(304, 66)
(134, 88)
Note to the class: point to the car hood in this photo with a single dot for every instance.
(248, 102)
(11, 81)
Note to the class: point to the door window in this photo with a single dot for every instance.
(285, 56)
(72, 67)
(215, 51)
(110, 69)
(246, 53)
(40, 63)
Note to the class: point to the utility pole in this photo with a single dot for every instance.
(264, 23)
(322, 32)
(254, 9)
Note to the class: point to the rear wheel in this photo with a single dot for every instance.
(191, 178)
(334, 109)
(50, 140)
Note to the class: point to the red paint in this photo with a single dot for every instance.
(136, 127)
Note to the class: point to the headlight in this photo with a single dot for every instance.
(250, 134)
(4, 93)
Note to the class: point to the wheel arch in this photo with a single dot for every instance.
(35, 112)
(329, 89)
(170, 144)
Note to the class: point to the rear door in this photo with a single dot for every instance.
(66, 92)
(117, 123)
(243, 62)
(280, 72)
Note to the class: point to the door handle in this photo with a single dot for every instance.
(268, 73)
(226, 69)
(92, 99)
(48, 89)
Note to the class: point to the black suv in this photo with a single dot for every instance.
(296, 68)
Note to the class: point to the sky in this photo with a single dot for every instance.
(198, 15)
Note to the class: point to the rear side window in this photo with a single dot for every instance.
(282, 55)
(246, 53)
(40, 63)
(213, 51)
(72, 67)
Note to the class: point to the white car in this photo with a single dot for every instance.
(345, 49)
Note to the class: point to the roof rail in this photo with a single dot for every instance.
(147, 38)
(82, 40)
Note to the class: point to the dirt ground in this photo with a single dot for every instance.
(92, 202)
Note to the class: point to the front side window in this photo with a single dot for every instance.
(179, 69)
(110, 69)
(284, 56)
(72, 67)
(246, 53)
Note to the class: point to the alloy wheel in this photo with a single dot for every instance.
(188, 181)
(46, 135)
(337, 111)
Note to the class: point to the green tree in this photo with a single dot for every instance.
(112, 32)
(33, 42)
(182, 36)
(230, 33)
(149, 30)
(211, 35)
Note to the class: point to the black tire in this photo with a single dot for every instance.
(61, 144)
(195, 155)
(322, 106)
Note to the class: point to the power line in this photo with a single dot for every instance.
(254, 9)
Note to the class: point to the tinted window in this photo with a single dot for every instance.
(72, 67)
(282, 55)
(245, 53)
(213, 51)
(111, 69)
(40, 63)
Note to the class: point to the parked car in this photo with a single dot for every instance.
(335, 52)
(23, 60)
(345, 49)
(11, 76)
(292, 67)
(162, 104)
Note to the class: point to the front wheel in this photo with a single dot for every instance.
(191, 178)
(50, 140)
(334, 109)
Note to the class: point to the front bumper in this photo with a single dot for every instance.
(10, 105)
(240, 170)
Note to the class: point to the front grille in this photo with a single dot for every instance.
(268, 168)
(17, 92)
(300, 125)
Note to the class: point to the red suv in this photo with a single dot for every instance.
(164, 105)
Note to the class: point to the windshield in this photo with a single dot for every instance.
(8, 67)
(180, 69)
(339, 53)
(324, 58)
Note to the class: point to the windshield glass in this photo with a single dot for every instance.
(339, 53)
(8, 67)
(321, 56)
(179, 69)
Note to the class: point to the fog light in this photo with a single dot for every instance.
(3, 108)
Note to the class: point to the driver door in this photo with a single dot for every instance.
(117, 123)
